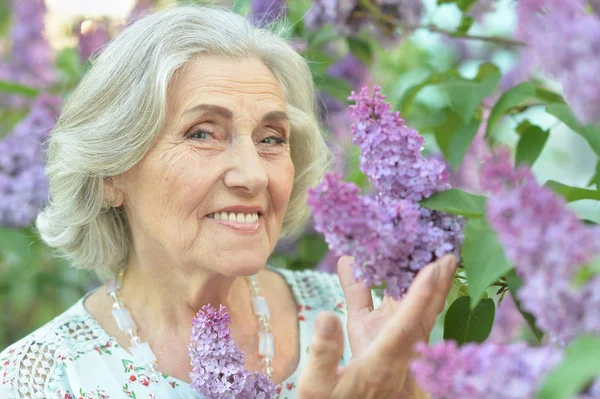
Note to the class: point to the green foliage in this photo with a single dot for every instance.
(361, 49)
(16, 88)
(464, 5)
(589, 133)
(572, 194)
(465, 95)
(457, 202)
(510, 98)
(466, 324)
(483, 258)
(532, 141)
(580, 366)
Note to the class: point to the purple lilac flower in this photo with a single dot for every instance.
(391, 151)
(93, 35)
(141, 9)
(508, 323)
(31, 59)
(264, 12)
(31, 52)
(390, 236)
(23, 185)
(566, 41)
(339, 13)
(353, 71)
(530, 221)
(348, 17)
(218, 364)
(488, 370)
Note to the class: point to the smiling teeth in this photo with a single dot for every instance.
(236, 217)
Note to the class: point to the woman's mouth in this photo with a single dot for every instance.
(238, 221)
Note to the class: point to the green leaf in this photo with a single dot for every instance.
(564, 114)
(509, 99)
(16, 242)
(548, 96)
(572, 194)
(532, 141)
(444, 132)
(466, 95)
(514, 284)
(596, 178)
(460, 141)
(68, 62)
(483, 258)
(338, 88)
(410, 94)
(586, 273)
(16, 88)
(464, 5)
(465, 24)
(457, 202)
(464, 324)
(361, 49)
(580, 366)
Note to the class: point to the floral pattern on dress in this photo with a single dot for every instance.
(99, 368)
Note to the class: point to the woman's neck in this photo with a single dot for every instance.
(164, 304)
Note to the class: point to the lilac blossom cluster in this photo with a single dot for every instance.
(548, 245)
(565, 38)
(264, 12)
(218, 363)
(391, 150)
(348, 16)
(488, 370)
(92, 35)
(23, 185)
(31, 59)
(390, 236)
(530, 221)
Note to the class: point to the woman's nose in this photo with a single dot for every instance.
(246, 171)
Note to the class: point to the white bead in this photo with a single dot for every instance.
(124, 320)
(260, 306)
(143, 353)
(266, 346)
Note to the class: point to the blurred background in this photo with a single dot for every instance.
(47, 46)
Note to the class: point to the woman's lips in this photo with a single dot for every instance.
(244, 228)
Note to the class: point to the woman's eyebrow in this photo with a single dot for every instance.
(272, 116)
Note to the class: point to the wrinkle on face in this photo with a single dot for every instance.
(183, 179)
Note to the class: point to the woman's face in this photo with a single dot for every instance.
(213, 190)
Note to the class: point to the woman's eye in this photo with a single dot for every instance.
(201, 135)
(274, 140)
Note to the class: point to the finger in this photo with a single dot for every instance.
(444, 284)
(358, 296)
(415, 318)
(320, 374)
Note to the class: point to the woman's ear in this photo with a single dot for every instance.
(113, 195)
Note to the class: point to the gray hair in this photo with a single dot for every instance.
(114, 116)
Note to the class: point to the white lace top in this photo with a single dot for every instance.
(72, 357)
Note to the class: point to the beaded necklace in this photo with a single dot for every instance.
(141, 349)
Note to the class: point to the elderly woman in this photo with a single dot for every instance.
(176, 164)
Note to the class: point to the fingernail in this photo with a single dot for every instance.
(325, 325)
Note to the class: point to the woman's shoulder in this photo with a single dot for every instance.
(34, 362)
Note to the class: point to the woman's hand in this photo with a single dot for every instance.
(382, 340)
